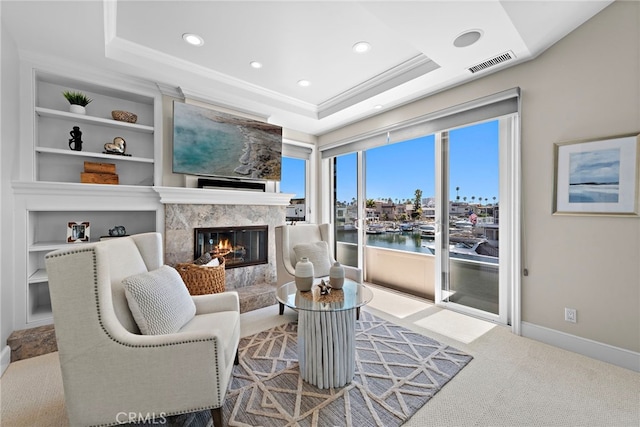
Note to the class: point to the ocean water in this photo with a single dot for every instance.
(589, 193)
(401, 241)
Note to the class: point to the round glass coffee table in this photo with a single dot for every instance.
(326, 330)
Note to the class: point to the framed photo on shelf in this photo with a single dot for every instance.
(597, 176)
(78, 232)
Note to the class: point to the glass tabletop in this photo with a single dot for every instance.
(352, 295)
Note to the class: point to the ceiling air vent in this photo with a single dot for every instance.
(507, 56)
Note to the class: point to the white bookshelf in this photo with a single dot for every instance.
(49, 193)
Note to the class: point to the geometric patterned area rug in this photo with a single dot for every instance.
(397, 371)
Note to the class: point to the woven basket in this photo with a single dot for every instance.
(202, 280)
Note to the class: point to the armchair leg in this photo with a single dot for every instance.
(281, 308)
(236, 361)
(216, 416)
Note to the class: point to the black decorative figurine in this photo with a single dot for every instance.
(75, 143)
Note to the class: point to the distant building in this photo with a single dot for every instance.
(296, 210)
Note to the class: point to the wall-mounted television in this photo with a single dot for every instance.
(212, 143)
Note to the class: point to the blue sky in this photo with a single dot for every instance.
(397, 170)
(293, 177)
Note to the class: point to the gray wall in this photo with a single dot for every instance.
(8, 162)
(585, 86)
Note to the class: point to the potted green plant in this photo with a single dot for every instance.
(77, 100)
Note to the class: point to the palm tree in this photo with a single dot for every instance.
(473, 198)
(417, 204)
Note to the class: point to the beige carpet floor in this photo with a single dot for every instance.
(512, 381)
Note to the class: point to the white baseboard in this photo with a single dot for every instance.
(607, 353)
(5, 358)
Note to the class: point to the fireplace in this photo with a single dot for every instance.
(240, 246)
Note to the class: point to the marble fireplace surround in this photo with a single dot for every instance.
(190, 208)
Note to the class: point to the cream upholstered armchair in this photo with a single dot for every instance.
(288, 236)
(109, 368)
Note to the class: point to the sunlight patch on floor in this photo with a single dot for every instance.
(455, 325)
(400, 306)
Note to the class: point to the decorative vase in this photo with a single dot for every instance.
(336, 275)
(304, 275)
(77, 109)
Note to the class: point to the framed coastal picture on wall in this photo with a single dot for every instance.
(597, 177)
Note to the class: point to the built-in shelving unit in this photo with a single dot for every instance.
(49, 193)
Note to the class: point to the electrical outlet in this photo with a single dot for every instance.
(570, 315)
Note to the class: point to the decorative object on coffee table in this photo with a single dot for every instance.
(304, 274)
(336, 275)
(78, 101)
(203, 279)
(124, 116)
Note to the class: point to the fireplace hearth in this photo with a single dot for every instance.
(240, 246)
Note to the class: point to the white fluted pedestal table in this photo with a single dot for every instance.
(326, 330)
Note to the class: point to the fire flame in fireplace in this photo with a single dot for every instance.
(223, 247)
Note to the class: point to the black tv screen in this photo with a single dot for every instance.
(211, 143)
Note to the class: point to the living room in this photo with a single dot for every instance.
(585, 86)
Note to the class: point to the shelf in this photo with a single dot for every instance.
(46, 112)
(63, 152)
(52, 246)
(40, 313)
(39, 276)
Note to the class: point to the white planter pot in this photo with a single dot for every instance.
(77, 109)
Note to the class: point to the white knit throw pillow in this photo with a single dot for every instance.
(318, 254)
(159, 301)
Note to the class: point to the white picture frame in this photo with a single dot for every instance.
(78, 232)
(597, 176)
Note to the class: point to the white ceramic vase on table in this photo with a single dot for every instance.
(336, 275)
(304, 275)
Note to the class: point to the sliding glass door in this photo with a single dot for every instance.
(452, 233)
(347, 207)
(468, 217)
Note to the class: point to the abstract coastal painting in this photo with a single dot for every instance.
(212, 143)
(598, 177)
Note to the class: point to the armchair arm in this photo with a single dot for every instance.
(225, 301)
(353, 273)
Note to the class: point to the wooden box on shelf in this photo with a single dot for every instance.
(92, 167)
(99, 173)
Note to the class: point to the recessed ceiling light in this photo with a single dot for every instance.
(303, 83)
(361, 47)
(193, 39)
(467, 38)
(256, 64)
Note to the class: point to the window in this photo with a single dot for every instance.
(395, 175)
(294, 180)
